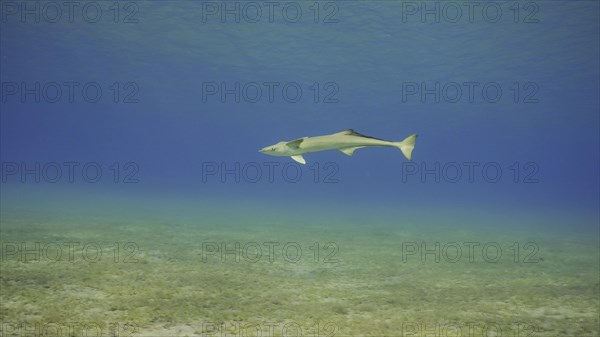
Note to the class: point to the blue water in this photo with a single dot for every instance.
(369, 55)
(171, 140)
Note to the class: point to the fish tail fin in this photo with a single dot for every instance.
(407, 145)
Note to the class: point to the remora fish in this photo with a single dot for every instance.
(346, 141)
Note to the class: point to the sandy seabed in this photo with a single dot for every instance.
(107, 277)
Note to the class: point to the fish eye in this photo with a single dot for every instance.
(272, 149)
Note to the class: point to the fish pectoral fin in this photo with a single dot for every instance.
(295, 144)
(299, 159)
(350, 150)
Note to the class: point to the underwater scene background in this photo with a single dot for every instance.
(134, 201)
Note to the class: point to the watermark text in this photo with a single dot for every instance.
(89, 252)
(70, 11)
(253, 172)
(470, 92)
(470, 12)
(71, 172)
(470, 172)
(270, 12)
(453, 252)
(269, 92)
(69, 92)
(253, 252)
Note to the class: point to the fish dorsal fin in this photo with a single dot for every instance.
(295, 144)
(299, 159)
(348, 132)
(351, 132)
(350, 150)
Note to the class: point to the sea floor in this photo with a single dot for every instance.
(102, 276)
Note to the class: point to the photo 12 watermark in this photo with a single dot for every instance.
(269, 92)
(71, 172)
(70, 329)
(470, 252)
(470, 92)
(72, 252)
(268, 329)
(70, 92)
(270, 12)
(270, 251)
(271, 172)
(451, 12)
(467, 329)
(70, 12)
(470, 172)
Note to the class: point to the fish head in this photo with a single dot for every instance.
(279, 149)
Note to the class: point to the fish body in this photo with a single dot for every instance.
(346, 141)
